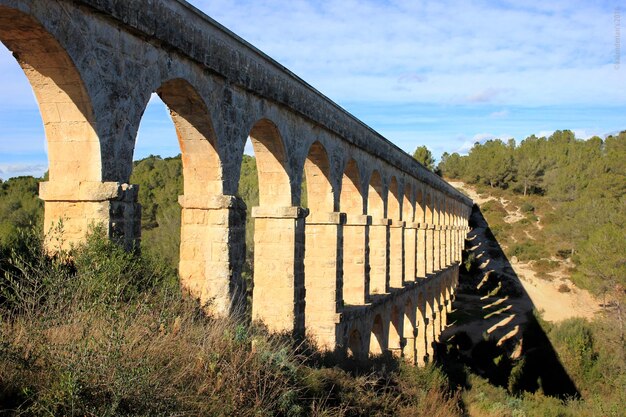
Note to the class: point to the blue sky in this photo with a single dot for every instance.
(444, 74)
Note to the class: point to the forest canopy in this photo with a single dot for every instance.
(583, 180)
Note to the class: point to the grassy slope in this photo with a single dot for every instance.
(113, 335)
(496, 381)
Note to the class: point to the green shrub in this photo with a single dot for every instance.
(545, 265)
(101, 331)
(527, 208)
(575, 343)
(470, 262)
(527, 251)
(493, 207)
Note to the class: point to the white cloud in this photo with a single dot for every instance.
(544, 133)
(467, 144)
(455, 51)
(20, 169)
(483, 137)
(485, 96)
(499, 114)
(369, 55)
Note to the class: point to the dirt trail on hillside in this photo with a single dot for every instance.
(559, 298)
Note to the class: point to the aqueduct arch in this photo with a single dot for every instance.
(74, 154)
(377, 251)
(356, 269)
(378, 232)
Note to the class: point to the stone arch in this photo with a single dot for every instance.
(351, 197)
(73, 145)
(279, 237)
(428, 208)
(437, 233)
(419, 205)
(436, 208)
(378, 236)
(375, 201)
(409, 318)
(74, 193)
(396, 235)
(355, 237)
(433, 307)
(269, 150)
(410, 233)
(395, 331)
(421, 345)
(408, 208)
(447, 288)
(441, 303)
(377, 336)
(202, 168)
(393, 200)
(410, 330)
(201, 246)
(323, 251)
(355, 344)
(320, 197)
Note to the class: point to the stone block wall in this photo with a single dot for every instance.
(369, 267)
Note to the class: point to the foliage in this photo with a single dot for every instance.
(583, 183)
(19, 208)
(528, 250)
(452, 165)
(160, 183)
(106, 332)
(249, 193)
(425, 157)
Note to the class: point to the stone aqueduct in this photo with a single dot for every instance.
(370, 266)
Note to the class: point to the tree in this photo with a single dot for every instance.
(160, 183)
(491, 163)
(529, 164)
(602, 257)
(424, 157)
(452, 166)
(19, 208)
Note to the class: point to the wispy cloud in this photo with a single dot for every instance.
(476, 51)
(421, 72)
(499, 114)
(467, 144)
(485, 96)
(16, 170)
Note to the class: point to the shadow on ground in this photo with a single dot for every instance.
(495, 331)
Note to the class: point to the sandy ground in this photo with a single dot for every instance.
(503, 315)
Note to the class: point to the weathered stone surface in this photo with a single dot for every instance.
(371, 264)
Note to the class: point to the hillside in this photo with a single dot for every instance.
(535, 330)
(552, 293)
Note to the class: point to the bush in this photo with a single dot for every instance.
(101, 331)
(493, 207)
(527, 251)
(545, 265)
(564, 288)
(527, 208)
(575, 343)
(470, 262)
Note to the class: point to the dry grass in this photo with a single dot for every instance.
(120, 339)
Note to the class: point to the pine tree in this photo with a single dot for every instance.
(424, 157)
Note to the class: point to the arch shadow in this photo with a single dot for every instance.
(495, 325)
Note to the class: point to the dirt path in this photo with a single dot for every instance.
(559, 298)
